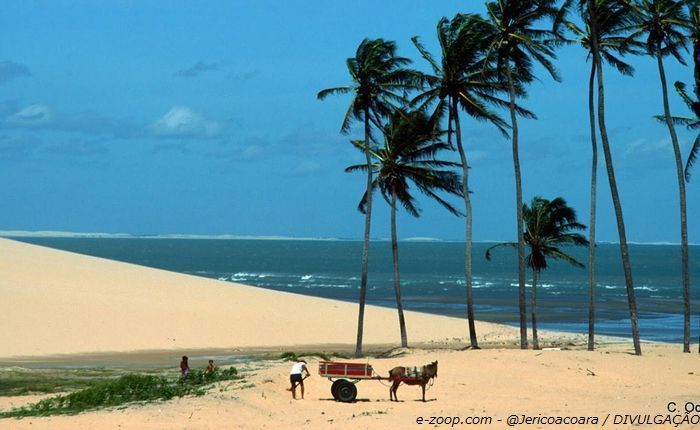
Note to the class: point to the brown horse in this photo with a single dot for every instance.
(399, 374)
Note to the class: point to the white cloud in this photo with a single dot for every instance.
(32, 115)
(181, 121)
(306, 167)
(645, 146)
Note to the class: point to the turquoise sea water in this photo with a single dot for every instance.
(432, 277)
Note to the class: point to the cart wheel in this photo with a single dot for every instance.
(334, 387)
(346, 391)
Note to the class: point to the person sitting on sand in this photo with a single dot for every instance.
(296, 378)
(184, 366)
(210, 368)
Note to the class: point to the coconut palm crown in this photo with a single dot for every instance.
(513, 37)
(548, 226)
(612, 27)
(408, 156)
(379, 81)
(662, 24)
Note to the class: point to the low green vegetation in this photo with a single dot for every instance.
(17, 381)
(123, 390)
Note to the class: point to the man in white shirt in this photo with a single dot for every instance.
(296, 378)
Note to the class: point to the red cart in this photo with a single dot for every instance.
(345, 376)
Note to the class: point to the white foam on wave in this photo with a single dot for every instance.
(326, 286)
(245, 276)
(527, 285)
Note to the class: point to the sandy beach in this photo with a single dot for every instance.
(62, 306)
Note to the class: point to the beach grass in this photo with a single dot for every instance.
(19, 381)
(126, 389)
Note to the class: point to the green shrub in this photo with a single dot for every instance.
(125, 389)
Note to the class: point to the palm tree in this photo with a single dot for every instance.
(694, 105)
(611, 22)
(548, 225)
(410, 145)
(378, 79)
(461, 79)
(609, 167)
(663, 23)
(515, 45)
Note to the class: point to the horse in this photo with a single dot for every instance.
(398, 375)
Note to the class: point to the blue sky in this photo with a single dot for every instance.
(153, 117)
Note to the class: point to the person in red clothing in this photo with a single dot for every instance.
(184, 366)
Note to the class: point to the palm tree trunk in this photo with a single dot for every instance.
(449, 126)
(519, 209)
(397, 280)
(681, 192)
(468, 206)
(696, 74)
(624, 251)
(591, 239)
(533, 310)
(365, 244)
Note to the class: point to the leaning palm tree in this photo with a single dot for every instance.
(663, 24)
(379, 78)
(408, 155)
(611, 22)
(461, 79)
(515, 45)
(548, 225)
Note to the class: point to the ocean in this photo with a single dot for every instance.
(432, 277)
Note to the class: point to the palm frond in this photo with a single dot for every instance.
(692, 157)
(498, 245)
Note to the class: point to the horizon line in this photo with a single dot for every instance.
(57, 234)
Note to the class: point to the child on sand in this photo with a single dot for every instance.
(210, 368)
(184, 366)
(296, 378)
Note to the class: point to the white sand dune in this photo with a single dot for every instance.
(56, 302)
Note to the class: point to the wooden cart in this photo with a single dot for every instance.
(345, 376)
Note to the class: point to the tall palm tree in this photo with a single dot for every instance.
(611, 22)
(515, 44)
(609, 167)
(548, 225)
(663, 23)
(461, 79)
(692, 123)
(408, 155)
(379, 78)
